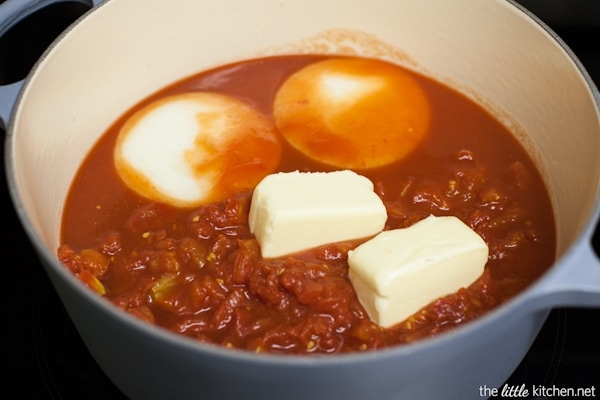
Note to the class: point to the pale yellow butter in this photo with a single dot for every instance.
(400, 271)
(295, 211)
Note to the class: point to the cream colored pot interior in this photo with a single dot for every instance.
(125, 50)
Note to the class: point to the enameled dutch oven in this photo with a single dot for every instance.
(123, 50)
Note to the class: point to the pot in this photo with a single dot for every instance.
(123, 50)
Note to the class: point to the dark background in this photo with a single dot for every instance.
(42, 354)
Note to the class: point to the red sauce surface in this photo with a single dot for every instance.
(198, 271)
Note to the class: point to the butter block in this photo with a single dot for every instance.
(400, 271)
(295, 211)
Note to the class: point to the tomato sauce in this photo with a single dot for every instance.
(198, 271)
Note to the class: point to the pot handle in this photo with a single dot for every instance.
(575, 280)
(12, 12)
(8, 98)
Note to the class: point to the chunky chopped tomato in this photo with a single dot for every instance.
(198, 272)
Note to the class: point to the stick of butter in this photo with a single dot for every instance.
(400, 271)
(295, 211)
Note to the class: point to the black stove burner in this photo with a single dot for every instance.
(46, 358)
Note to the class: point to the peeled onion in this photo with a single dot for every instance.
(196, 147)
(352, 112)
